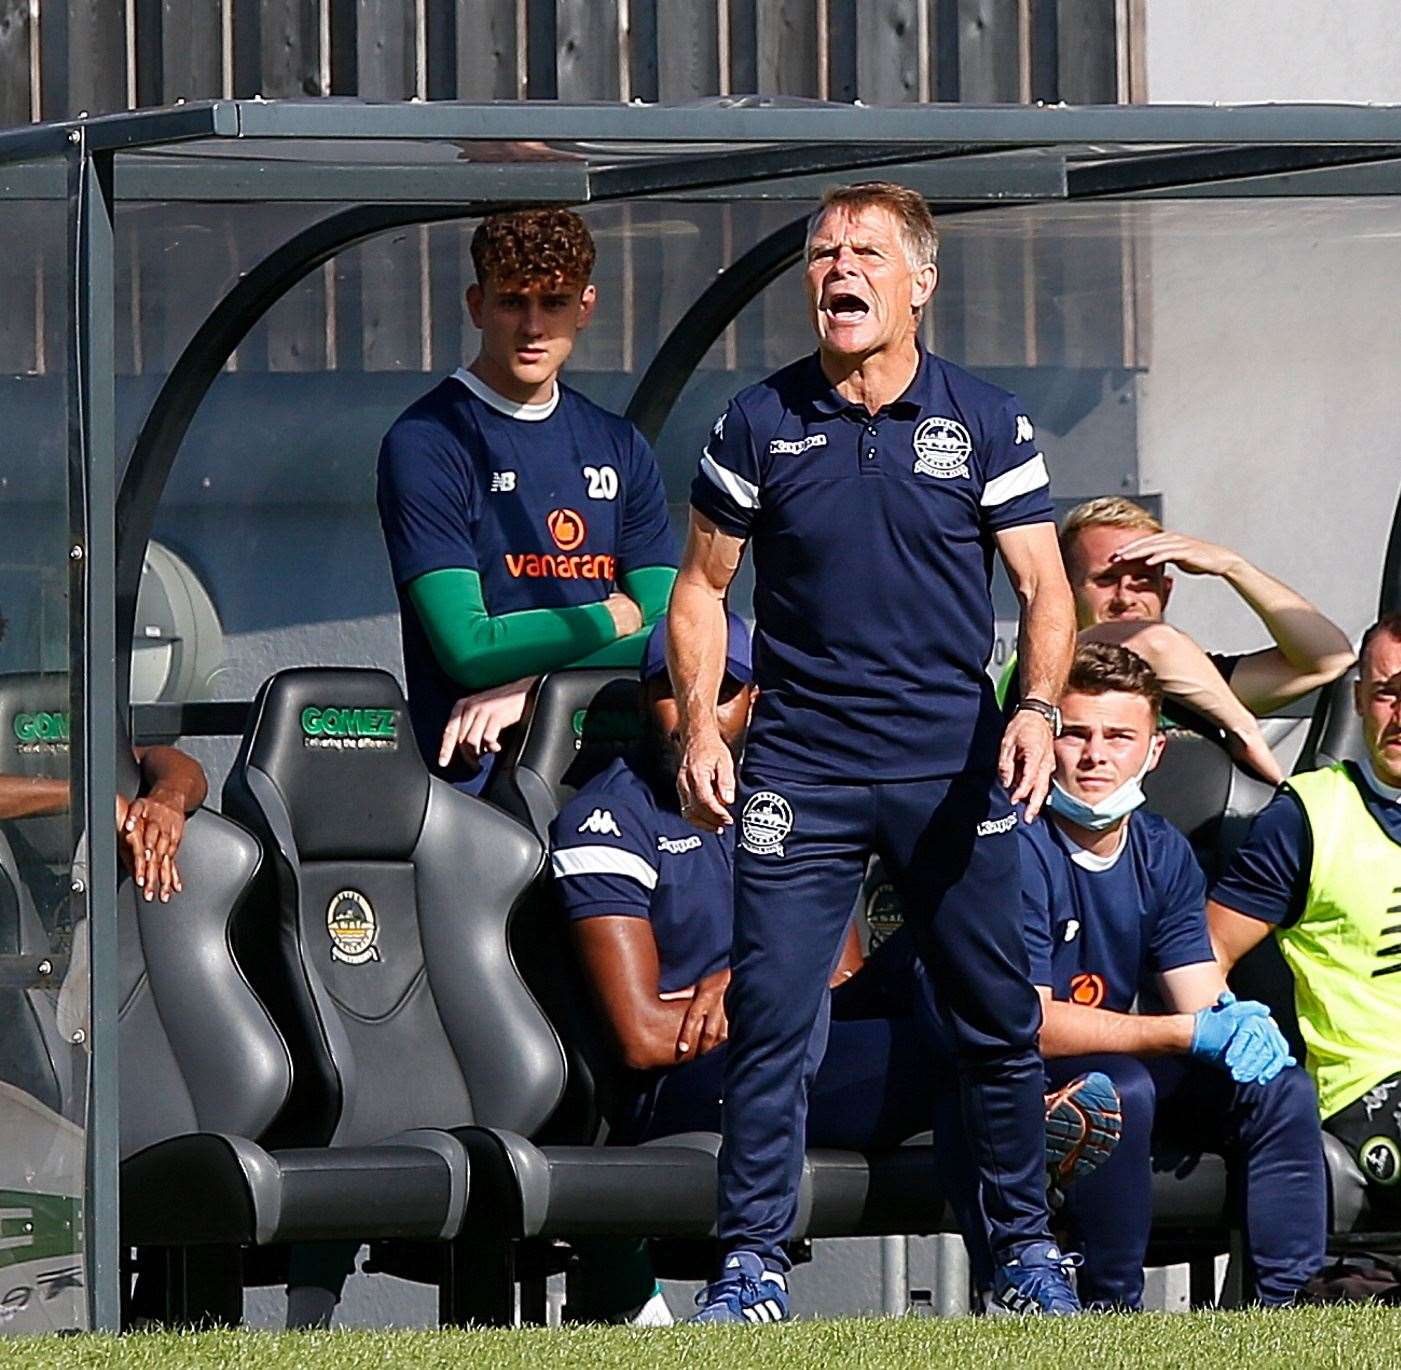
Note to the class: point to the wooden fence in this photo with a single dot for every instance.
(60, 57)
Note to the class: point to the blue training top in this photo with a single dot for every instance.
(549, 503)
(873, 538)
(1096, 929)
(620, 846)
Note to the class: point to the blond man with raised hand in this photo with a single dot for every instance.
(1117, 556)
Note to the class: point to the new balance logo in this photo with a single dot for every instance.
(502, 482)
(601, 822)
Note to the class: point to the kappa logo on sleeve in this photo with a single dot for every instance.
(1025, 432)
(602, 823)
(766, 820)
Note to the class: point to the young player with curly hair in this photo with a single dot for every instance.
(527, 528)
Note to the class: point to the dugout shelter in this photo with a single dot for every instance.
(205, 334)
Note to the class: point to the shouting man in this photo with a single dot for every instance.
(875, 482)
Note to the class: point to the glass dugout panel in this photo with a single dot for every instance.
(1229, 363)
(44, 1000)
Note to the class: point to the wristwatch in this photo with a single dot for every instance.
(1047, 711)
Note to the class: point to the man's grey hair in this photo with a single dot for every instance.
(917, 231)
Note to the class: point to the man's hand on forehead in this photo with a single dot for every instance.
(1192, 555)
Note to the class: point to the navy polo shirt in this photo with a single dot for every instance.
(549, 503)
(1097, 929)
(620, 847)
(1268, 877)
(873, 539)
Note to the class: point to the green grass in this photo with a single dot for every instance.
(1350, 1338)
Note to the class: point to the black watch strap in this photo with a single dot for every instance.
(1047, 711)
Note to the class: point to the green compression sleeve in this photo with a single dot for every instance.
(649, 587)
(480, 650)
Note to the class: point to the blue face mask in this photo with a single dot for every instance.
(1104, 813)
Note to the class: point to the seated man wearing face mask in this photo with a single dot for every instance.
(1114, 907)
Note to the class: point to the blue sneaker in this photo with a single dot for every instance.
(1037, 1282)
(747, 1291)
(1084, 1120)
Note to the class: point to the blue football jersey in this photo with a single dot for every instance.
(872, 537)
(1098, 928)
(549, 503)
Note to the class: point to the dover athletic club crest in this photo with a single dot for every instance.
(353, 928)
(766, 820)
(942, 449)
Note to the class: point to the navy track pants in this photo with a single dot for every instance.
(950, 847)
(1174, 1109)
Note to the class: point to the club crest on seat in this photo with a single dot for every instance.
(353, 928)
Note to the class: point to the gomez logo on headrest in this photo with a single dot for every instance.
(340, 729)
(606, 727)
(41, 732)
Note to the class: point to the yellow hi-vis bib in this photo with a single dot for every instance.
(1345, 950)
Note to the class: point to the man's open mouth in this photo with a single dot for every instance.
(845, 307)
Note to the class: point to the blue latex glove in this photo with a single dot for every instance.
(1258, 1052)
(1214, 1026)
(1241, 1038)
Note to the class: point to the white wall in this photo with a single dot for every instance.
(1270, 413)
(1247, 50)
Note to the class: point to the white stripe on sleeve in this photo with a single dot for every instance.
(603, 861)
(1020, 480)
(744, 493)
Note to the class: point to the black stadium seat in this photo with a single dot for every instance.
(205, 1073)
(578, 722)
(1205, 795)
(441, 1029)
(1335, 733)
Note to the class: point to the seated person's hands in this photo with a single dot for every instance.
(626, 614)
(1241, 1038)
(149, 831)
(477, 721)
(704, 1027)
